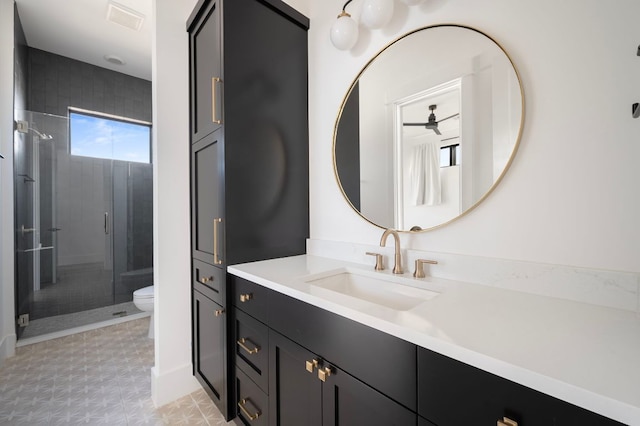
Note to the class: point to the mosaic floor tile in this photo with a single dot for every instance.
(99, 377)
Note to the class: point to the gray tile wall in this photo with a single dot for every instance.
(57, 83)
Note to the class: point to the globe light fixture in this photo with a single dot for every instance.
(344, 31)
(376, 13)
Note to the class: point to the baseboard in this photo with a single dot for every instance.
(173, 385)
(7, 347)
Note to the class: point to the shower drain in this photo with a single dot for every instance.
(120, 314)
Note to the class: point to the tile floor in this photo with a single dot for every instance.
(99, 377)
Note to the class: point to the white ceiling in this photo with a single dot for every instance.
(79, 29)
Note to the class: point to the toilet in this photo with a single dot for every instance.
(143, 299)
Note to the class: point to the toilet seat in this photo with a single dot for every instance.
(144, 293)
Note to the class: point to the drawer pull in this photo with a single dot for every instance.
(219, 312)
(326, 372)
(311, 365)
(242, 342)
(205, 280)
(246, 297)
(506, 421)
(242, 407)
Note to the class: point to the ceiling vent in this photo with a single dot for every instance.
(124, 16)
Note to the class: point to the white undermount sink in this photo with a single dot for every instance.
(359, 288)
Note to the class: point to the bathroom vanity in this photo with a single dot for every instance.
(308, 351)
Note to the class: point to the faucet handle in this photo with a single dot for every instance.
(379, 265)
(419, 272)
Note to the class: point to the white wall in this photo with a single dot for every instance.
(7, 323)
(171, 375)
(565, 200)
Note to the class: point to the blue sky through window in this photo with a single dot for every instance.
(101, 137)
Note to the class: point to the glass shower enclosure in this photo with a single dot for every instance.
(84, 232)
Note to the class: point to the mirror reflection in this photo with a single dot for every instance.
(428, 128)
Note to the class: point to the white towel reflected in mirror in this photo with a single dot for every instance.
(425, 175)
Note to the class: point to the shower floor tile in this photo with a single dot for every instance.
(58, 323)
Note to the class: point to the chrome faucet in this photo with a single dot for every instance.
(397, 268)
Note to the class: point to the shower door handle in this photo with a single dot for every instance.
(106, 223)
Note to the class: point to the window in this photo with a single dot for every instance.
(450, 155)
(114, 138)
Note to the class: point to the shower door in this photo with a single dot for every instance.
(37, 141)
(83, 223)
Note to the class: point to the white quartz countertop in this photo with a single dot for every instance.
(585, 354)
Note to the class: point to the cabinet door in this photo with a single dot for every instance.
(207, 180)
(205, 71)
(295, 394)
(347, 401)
(209, 349)
(453, 393)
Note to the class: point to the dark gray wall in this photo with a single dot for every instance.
(57, 83)
(20, 64)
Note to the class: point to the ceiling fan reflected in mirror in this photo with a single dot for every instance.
(432, 124)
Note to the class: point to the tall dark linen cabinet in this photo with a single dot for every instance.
(249, 161)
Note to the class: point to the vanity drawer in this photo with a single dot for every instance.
(252, 404)
(384, 362)
(250, 297)
(209, 280)
(252, 348)
(453, 393)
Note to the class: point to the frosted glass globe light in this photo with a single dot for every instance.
(344, 32)
(376, 13)
(411, 2)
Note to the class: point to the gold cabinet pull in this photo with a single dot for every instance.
(214, 81)
(205, 280)
(324, 373)
(250, 351)
(506, 421)
(246, 297)
(242, 404)
(311, 365)
(216, 257)
(219, 312)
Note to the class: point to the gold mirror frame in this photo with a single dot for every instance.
(506, 166)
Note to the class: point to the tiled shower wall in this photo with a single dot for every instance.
(57, 83)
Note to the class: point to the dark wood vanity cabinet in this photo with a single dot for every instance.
(453, 393)
(305, 389)
(324, 369)
(249, 157)
(315, 386)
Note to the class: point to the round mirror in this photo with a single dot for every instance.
(428, 128)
